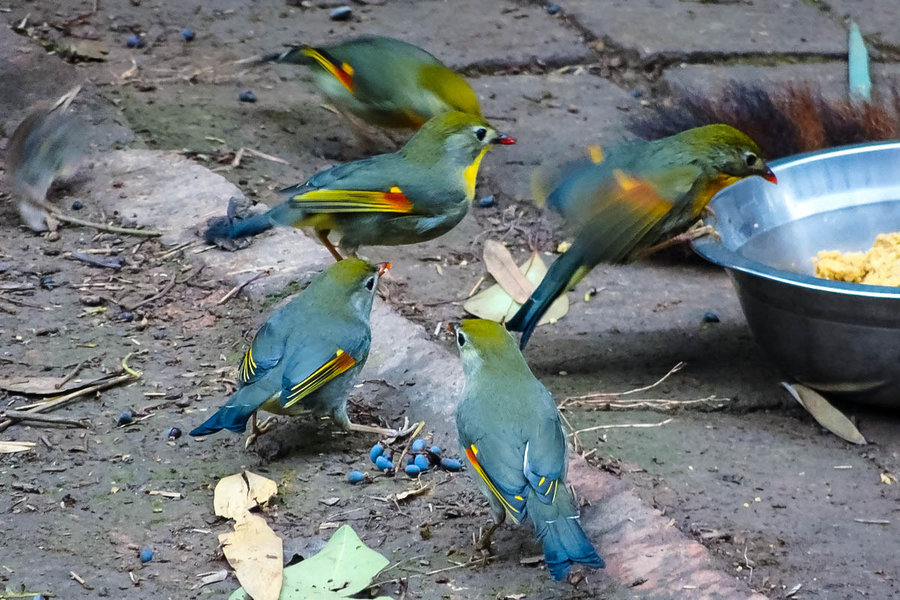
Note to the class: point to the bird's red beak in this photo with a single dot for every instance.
(503, 139)
(770, 176)
(453, 326)
(383, 267)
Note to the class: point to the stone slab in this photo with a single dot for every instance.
(877, 19)
(684, 29)
(830, 78)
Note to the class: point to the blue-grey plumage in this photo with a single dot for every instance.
(46, 145)
(306, 356)
(511, 433)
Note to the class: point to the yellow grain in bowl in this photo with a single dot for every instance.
(878, 266)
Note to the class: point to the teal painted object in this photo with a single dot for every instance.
(858, 61)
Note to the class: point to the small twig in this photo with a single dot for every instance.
(594, 395)
(408, 445)
(236, 289)
(100, 226)
(236, 162)
(24, 415)
(77, 578)
(265, 156)
(106, 263)
(623, 426)
(70, 375)
(476, 286)
(576, 442)
(178, 249)
(873, 521)
(156, 296)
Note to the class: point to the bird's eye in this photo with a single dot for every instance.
(370, 283)
(480, 133)
(460, 339)
(750, 159)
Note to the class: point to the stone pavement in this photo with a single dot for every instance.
(646, 316)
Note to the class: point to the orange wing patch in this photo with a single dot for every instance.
(334, 367)
(346, 201)
(342, 72)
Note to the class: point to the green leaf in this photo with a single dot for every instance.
(344, 567)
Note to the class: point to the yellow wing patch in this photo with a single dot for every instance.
(248, 366)
(346, 201)
(510, 509)
(595, 153)
(342, 72)
(334, 367)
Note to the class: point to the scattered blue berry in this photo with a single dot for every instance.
(552, 8)
(135, 41)
(187, 34)
(635, 93)
(247, 96)
(710, 317)
(422, 462)
(486, 201)
(39, 597)
(412, 470)
(436, 450)
(418, 445)
(411, 460)
(128, 317)
(77, 205)
(341, 13)
(174, 433)
(355, 477)
(376, 451)
(125, 418)
(451, 464)
(146, 555)
(384, 463)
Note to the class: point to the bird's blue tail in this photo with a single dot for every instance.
(554, 284)
(229, 228)
(234, 415)
(556, 525)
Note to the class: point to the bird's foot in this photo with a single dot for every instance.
(257, 429)
(384, 431)
(696, 232)
(483, 543)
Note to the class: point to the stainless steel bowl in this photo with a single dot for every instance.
(842, 339)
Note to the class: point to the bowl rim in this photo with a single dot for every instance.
(715, 251)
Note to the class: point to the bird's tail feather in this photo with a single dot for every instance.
(557, 526)
(562, 274)
(234, 415)
(229, 228)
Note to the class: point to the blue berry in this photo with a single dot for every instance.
(128, 317)
(418, 445)
(77, 205)
(410, 461)
(710, 317)
(486, 201)
(451, 464)
(146, 555)
(341, 13)
(412, 470)
(355, 477)
(436, 450)
(174, 433)
(247, 96)
(552, 8)
(422, 462)
(125, 418)
(384, 463)
(187, 34)
(39, 597)
(135, 41)
(376, 451)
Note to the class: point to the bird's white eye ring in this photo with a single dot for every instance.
(750, 159)
(481, 133)
(370, 283)
(460, 338)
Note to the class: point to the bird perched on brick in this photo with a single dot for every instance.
(511, 433)
(44, 147)
(413, 195)
(638, 196)
(384, 81)
(306, 356)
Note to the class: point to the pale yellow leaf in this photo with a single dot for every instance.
(824, 413)
(238, 493)
(500, 264)
(256, 555)
(8, 447)
(888, 478)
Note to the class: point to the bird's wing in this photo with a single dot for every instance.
(263, 354)
(545, 458)
(314, 364)
(360, 186)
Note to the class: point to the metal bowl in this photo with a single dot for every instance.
(840, 338)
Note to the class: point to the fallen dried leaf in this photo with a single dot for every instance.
(237, 494)
(822, 411)
(10, 447)
(255, 553)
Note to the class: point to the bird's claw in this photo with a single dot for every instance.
(258, 429)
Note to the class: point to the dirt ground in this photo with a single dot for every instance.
(777, 502)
